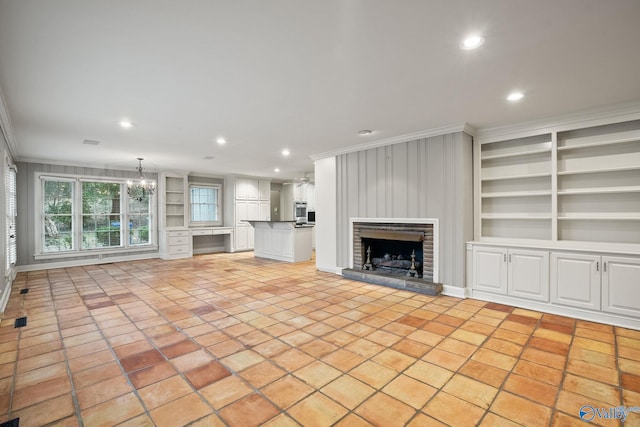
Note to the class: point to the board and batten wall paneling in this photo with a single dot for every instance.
(28, 208)
(426, 178)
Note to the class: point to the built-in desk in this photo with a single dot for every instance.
(282, 240)
(202, 241)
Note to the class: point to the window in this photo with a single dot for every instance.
(205, 204)
(101, 218)
(10, 194)
(81, 214)
(139, 221)
(58, 216)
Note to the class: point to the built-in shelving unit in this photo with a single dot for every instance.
(558, 219)
(174, 197)
(575, 185)
(515, 188)
(174, 235)
(599, 184)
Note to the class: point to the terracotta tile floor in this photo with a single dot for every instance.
(228, 339)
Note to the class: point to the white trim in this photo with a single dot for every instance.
(587, 118)
(445, 130)
(436, 239)
(83, 262)
(456, 291)
(334, 270)
(576, 313)
(6, 129)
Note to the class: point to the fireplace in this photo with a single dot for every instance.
(395, 252)
(398, 253)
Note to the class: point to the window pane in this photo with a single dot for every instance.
(204, 204)
(101, 219)
(57, 219)
(139, 221)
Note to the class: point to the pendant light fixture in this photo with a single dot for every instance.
(140, 188)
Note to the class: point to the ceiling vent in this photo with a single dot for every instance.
(90, 142)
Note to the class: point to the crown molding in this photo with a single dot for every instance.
(396, 140)
(581, 119)
(6, 128)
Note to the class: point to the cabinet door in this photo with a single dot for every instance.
(241, 189)
(242, 213)
(264, 213)
(253, 210)
(253, 192)
(621, 285)
(241, 236)
(575, 280)
(264, 188)
(529, 274)
(490, 269)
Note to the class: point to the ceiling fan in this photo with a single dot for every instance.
(303, 180)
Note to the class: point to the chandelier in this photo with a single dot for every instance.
(139, 189)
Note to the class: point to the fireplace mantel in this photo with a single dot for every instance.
(392, 221)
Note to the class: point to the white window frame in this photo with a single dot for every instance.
(217, 187)
(77, 250)
(11, 215)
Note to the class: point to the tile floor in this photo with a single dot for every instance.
(228, 339)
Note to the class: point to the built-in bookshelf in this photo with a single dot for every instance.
(578, 185)
(172, 200)
(599, 184)
(515, 188)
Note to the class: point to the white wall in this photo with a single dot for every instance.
(326, 230)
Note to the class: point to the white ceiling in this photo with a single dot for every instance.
(300, 74)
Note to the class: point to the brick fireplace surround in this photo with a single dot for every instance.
(427, 226)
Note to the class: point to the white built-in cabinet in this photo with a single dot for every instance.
(246, 199)
(562, 202)
(173, 215)
(515, 272)
(576, 280)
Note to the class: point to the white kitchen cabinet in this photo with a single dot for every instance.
(514, 272)
(575, 280)
(245, 198)
(621, 285)
(264, 190)
(264, 211)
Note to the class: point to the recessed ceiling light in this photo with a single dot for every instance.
(472, 42)
(221, 141)
(126, 124)
(515, 96)
(276, 170)
(364, 132)
(286, 152)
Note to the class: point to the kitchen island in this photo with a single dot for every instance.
(282, 240)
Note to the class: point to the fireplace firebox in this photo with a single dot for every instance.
(397, 253)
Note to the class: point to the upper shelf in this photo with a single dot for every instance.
(515, 154)
(598, 140)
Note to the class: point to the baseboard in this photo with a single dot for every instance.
(81, 262)
(332, 270)
(576, 313)
(4, 299)
(455, 291)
